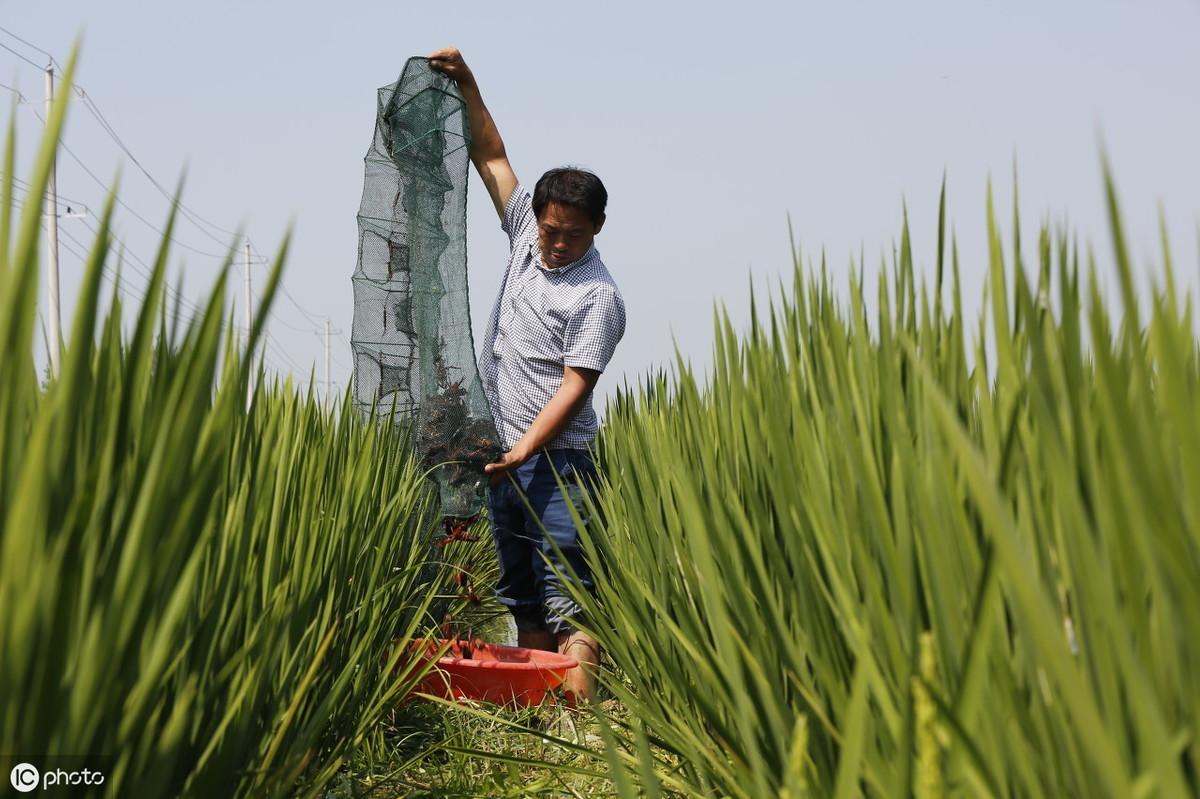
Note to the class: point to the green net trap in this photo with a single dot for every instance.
(414, 358)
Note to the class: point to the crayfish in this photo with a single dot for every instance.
(456, 528)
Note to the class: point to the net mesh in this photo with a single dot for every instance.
(414, 358)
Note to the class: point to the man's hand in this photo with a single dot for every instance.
(577, 384)
(508, 462)
(450, 63)
(487, 148)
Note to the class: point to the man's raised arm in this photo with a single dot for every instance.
(487, 148)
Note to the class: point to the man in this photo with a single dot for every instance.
(553, 329)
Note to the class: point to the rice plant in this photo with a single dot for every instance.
(202, 593)
(866, 558)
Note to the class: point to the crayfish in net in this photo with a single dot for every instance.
(457, 529)
(457, 446)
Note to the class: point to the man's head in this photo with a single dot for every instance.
(569, 206)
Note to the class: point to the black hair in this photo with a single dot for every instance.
(568, 185)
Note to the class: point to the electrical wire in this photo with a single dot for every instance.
(201, 223)
(71, 209)
(303, 330)
(139, 298)
(94, 109)
(20, 97)
(254, 294)
(347, 342)
(317, 322)
(123, 288)
(277, 318)
(29, 61)
(339, 361)
(30, 45)
(269, 343)
(333, 352)
(126, 206)
(146, 271)
(25, 185)
(187, 213)
(257, 260)
(78, 249)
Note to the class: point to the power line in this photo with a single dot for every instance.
(71, 242)
(145, 272)
(296, 367)
(20, 97)
(125, 205)
(94, 110)
(199, 221)
(30, 45)
(179, 298)
(29, 61)
(261, 259)
(25, 185)
(271, 349)
(71, 206)
(292, 327)
(270, 343)
(204, 225)
(105, 267)
(292, 300)
(128, 292)
(314, 319)
(275, 317)
(340, 362)
(349, 346)
(139, 298)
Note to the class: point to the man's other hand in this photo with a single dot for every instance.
(508, 462)
(450, 63)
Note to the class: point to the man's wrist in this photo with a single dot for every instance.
(520, 452)
(467, 83)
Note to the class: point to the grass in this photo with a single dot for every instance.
(432, 751)
(201, 584)
(908, 554)
(869, 560)
(438, 754)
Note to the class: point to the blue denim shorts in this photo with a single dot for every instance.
(527, 585)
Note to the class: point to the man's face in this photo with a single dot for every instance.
(565, 234)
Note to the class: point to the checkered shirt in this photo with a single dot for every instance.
(545, 319)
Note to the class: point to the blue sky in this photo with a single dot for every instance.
(710, 129)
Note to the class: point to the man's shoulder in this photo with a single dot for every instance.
(596, 288)
(601, 280)
(522, 251)
(517, 218)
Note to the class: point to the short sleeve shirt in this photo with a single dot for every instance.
(545, 319)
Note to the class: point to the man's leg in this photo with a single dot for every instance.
(516, 587)
(581, 682)
(562, 536)
(537, 639)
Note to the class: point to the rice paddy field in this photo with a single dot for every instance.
(872, 553)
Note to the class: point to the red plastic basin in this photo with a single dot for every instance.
(503, 675)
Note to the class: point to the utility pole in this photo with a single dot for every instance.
(328, 394)
(52, 310)
(246, 283)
